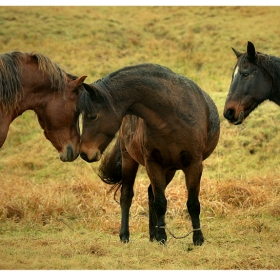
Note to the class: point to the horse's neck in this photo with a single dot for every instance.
(149, 106)
(27, 103)
(143, 97)
(36, 89)
(35, 101)
(276, 98)
(7, 117)
(150, 115)
(275, 95)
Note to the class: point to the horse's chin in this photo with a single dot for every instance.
(244, 114)
(95, 157)
(67, 159)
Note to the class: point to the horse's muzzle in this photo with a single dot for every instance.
(69, 155)
(96, 157)
(230, 116)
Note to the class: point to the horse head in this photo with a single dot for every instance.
(32, 81)
(59, 118)
(100, 122)
(250, 86)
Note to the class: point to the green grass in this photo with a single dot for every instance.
(56, 215)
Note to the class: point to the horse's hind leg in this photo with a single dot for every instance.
(193, 175)
(158, 182)
(129, 171)
(152, 215)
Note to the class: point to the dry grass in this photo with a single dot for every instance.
(75, 226)
(86, 199)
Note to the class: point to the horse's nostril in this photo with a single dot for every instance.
(84, 156)
(229, 114)
(70, 153)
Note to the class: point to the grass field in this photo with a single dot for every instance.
(59, 216)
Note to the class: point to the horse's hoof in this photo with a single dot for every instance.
(161, 237)
(124, 236)
(198, 242)
(198, 239)
(125, 240)
(162, 242)
(152, 238)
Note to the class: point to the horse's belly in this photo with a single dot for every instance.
(174, 150)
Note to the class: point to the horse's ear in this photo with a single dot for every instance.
(251, 52)
(88, 88)
(94, 94)
(237, 53)
(78, 81)
(81, 79)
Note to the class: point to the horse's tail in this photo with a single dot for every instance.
(110, 169)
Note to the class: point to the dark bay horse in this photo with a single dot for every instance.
(31, 81)
(255, 78)
(165, 123)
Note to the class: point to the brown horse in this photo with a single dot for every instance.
(255, 78)
(31, 81)
(166, 123)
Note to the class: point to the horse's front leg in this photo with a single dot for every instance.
(157, 202)
(129, 171)
(193, 175)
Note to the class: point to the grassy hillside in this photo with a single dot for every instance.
(56, 215)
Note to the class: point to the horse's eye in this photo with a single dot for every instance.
(92, 117)
(244, 74)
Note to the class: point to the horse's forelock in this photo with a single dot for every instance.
(85, 103)
(242, 60)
